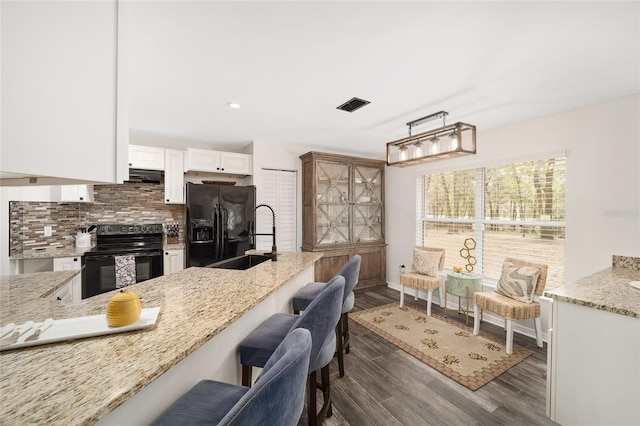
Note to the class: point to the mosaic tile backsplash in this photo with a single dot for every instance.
(125, 203)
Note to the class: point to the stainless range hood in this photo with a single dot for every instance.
(144, 176)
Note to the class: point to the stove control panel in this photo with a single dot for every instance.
(119, 229)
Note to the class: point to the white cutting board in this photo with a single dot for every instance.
(81, 327)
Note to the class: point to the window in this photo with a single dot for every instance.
(515, 210)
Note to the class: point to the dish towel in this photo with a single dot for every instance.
(125, 271)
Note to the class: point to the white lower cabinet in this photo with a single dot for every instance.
(173, 261)
(64, 293)
(174, 176)
(593, 372)
(72, 291)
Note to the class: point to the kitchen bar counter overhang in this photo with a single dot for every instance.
(202, 311)
(608, 290)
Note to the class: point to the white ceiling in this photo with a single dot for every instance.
(290, 64)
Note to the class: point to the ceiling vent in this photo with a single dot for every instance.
(353, 104)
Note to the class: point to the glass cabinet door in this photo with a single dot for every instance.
(367, 207)
(332, 203)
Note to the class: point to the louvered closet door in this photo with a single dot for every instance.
(279, 191)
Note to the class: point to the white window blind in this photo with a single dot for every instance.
(514, 210)
(450, 213)
(279, 191)
(524, 213)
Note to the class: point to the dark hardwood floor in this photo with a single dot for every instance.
(384, 385)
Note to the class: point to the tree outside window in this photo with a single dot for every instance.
(515, 210)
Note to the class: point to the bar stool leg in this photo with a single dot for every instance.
(339, 348)
(345, 331)
(312, 417)
(326, 390)
(246, 375)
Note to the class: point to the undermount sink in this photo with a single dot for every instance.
(241, 262)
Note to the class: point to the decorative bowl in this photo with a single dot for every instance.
(123, 309)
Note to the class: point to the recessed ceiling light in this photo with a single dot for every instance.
(233, 105)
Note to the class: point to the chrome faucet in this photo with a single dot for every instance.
(274, 250)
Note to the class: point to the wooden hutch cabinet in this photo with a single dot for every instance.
(343, 214)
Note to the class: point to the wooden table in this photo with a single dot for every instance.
(462, 284)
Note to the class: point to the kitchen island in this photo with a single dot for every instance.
(131, 377)
(593, 368)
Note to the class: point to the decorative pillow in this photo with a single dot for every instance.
(426, 262)
(518, 282)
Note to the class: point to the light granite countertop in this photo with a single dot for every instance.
(81, 381)
(49, 253)
(607, 290)
(34, 287)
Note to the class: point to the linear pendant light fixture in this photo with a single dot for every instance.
(444, 142)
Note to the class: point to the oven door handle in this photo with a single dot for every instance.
(158, 253)
(113, 256)
(98, 258)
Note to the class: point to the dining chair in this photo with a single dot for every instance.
(303, 297)
(277, 397)
(320, 318)
(519, 282)
(427, 263)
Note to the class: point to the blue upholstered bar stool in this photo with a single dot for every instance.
(277, 397)
(320, 319)
(303, 297)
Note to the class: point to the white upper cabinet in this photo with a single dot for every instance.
(146, 157)
(205, 160)
(79, 193)
(202, 160)
(174, 176)
(63, 90)
(231, 162)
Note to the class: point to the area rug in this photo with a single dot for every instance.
(447, 346)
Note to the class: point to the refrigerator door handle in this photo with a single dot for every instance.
(219, 253)
(216, 227)
(223, 225)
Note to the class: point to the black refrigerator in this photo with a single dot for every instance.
(219, 218)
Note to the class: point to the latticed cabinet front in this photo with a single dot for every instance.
(367, 204)
(343, 212)
(333, 200)
(348, 205)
